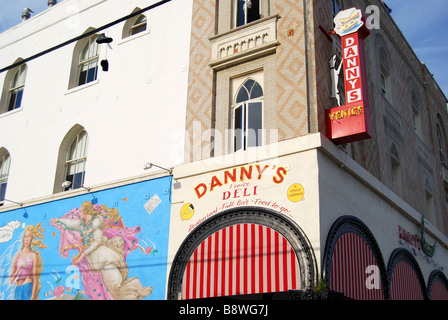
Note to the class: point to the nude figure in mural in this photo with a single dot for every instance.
(27, 265)
(99, 253)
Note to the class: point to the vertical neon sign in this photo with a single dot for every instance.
(351, 122)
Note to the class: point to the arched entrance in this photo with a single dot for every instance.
(353, 261)
(242, 251)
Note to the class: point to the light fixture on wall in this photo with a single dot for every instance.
(149, 165)
(67, 184)
(19, 203)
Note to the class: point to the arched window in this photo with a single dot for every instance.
(16, 88)
(75, 165)
(248, 116)
(13, 88)
(85, 59)
(88, 62)
(135, 25)
(72, 158)
(5, 161)
(138, 26)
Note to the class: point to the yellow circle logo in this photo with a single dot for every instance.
(187, 211)
(295, 192)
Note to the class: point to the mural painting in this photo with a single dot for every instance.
(106, 245)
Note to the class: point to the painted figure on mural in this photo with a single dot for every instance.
(27, 264)
(103, 243)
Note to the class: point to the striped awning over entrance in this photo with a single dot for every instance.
(241, 259)
(354, 269)
(404, 284)
(439, 291)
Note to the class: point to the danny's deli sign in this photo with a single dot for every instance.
(351, 122)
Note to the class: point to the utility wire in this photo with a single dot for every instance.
(87, 34)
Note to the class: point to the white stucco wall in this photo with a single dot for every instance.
(134, 113)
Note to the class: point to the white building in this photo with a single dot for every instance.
(119, 117)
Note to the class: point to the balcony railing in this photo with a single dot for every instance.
(254, 39)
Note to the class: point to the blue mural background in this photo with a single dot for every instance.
(144, 204)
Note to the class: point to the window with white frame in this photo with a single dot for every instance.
(75, 165)
(247, 116)
(138, 26)
(88, 62)
(5, 161)
(247, 11)
(16, 88)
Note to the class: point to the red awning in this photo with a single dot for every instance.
(404, 284)
(439, 291)
(241, 259)
(353, 269)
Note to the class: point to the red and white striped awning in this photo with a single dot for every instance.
(404, 284)
(241, 259)
(351, 269)
(439, 291)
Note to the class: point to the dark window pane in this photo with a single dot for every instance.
(238, 127)
(12, 100)
(2, 191)
(91, 76)
(256, 92)
(240, 15)
(253, 13)
(255, 124)
(82, 78)
(19, 98)
(242, 95)
(78, 180)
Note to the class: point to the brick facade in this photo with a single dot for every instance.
(297, 91)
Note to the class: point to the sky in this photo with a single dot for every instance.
(423, 23)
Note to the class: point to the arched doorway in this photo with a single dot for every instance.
(240, 252)
(353, 261)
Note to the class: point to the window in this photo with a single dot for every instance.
(13, 88)
(5, 161)
(16, 88)
(385, 82)
(76, 161)
(335, 7)
(88, 62)
(135, 25)
(247, 11)
(430, 213)
(441, 143)
(417, 122)
(396, 171)
(138, 26)
(248, 116)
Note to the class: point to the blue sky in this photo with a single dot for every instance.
(423, 23)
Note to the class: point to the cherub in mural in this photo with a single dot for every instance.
(103, 243)
(27, 264)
